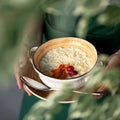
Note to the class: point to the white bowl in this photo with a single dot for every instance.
(54, 83)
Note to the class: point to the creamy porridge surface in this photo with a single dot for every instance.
(66, 55)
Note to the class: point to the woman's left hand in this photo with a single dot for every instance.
(114, 61)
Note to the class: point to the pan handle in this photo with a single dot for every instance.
(31, 53)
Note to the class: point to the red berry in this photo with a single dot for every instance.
(75, 72)
(70, 68)
(72, 73)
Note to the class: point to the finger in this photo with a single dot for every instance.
(103, 89)
(114, 62)
(17, 76)
(19, 82)
(27, 90)
(98, 96)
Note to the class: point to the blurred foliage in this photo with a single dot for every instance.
(15, 15)
(46, 110)
(85, 106)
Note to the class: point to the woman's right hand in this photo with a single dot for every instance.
(18, 72)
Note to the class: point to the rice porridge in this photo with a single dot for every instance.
(69, 58)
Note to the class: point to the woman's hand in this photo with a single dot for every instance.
(18, 72)
(114, 61)
(32, 36)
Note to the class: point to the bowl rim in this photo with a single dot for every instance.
(72, 78)
(68, 79)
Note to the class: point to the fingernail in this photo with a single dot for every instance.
(19, 87)
(29, 94)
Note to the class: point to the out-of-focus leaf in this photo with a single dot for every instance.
(110, 16)
(13, 19)
(86, 7)
(46, 110)
(109, 109)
